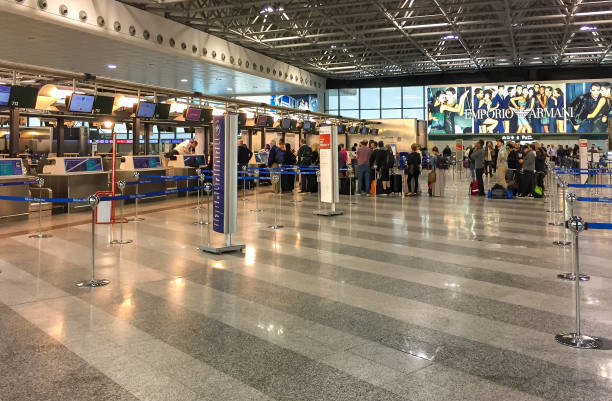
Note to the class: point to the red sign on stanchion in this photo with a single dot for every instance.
(324, 141)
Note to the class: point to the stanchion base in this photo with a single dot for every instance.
(572, 277)
(117, 242)
(222, 249)
(40, 236)
(92, 283)
(275, 226)
(201, 223)
(328, 213)
(295, 201)
(256, 210)
(582, 341)
(136, 219)
(555, 224)
(562, 243)
(350, 203)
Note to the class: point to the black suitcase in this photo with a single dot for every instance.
(311, 183)
(396, 183)
(287, 182)
(347, 185)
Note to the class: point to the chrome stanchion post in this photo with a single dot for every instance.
(351, 175)
(121, 241)
(375, 180)
(208, 190)
(577, 339)
(296, 172)
(571, 276)
(136, 218)
(256, 184)
(40, 182)
(275, 226)
(564, 242)
(319, 187)
(404, 176)
(93, 201)
(244, 175)
(199, 221)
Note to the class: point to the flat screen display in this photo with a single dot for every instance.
(293, 124)
(206, 116)
(353, 130)
(103, 105)
(242, 119)
(286, 123)
(10, 167)
(5, 93)
(83, 165)
(341, 129)
(194, 161)
(146, 162)
(81, 103)
(145, 110)
(23, 97)
(364, 130)
(269, 121)
(162, 111)
(193, 114)
(262, 120)
(374, 131)
(306, 126)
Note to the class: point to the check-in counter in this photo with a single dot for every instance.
(11, 170)
(186, 165)
(146, 165)
(75, 177)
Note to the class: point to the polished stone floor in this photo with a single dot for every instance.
(417, 298)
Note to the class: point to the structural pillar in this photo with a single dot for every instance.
(14, 132)
(148, 129)
(136, 131)
(60, 137)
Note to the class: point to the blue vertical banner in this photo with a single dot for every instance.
(219, 174)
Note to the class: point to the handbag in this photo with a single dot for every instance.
(431, 177)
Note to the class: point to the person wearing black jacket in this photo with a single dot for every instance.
(244, 157)
(413, 169)
(304, 159)
(378, 158)
(447, 152)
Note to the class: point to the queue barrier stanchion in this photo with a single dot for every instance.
(319, 188)
(244, 182)
(295, 173)
(404, 176)
(275, 179)
(93, 282)
(256, 184)
(571, 198)
(351, 176)
(577, 339)
(571, 276)
(198, 208)
(40, 182)
(208, 190)
(136, 218)
(121, 241)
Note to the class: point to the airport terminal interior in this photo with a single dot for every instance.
(306, 200)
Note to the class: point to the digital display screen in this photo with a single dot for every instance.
(23, 97)
(81, 103)
(364, 130)
(162, 111)
(10, 167)
(374, 131)
(353, 130)
(83, 165)
(103, 105)
(206, 115)
(194, 161)
(146, 162)
(193, 114)
(306, 125)
(145, 110)
(5, 94)
(341, 129)
(286, 123)
(262, 120)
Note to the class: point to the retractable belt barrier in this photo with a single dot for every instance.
(10, 184)
(589, 186)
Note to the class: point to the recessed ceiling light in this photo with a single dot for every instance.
(588, 28)
(111, 66)
(183, 80)
(229, 89)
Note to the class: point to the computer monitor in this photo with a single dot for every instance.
(23, 97)
(145, 110)
(286, 123)
(193, 114)
(306, 126)
(162, 111)
(5, 94)
(206, 116)
(103, 105)
(78, 103)
(341, 129)
(353, 130)
(364, 130)
(262, 120)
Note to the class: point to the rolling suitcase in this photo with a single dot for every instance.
(474, 188)
(311, 183)
(396, 183)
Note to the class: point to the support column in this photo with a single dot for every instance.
(148, 129)
(60, 137)
(83, 141)
(136, 131)
(14, 132)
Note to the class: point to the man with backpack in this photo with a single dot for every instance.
(304, 159)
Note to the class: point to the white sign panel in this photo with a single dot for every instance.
(329, 164)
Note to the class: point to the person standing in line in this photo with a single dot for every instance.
(413, 169)
(447, 152)
(528, 164)
(363, 168)
(275, 159)
(244, 157)
(488, 159)
(342, 161)
(304, 159)
(478, 156)
(378, 158)
(439, 164)
(502, 164)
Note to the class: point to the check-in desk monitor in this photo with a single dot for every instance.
(188, 161)
(11, 170)
(75, 177)
(141, 162)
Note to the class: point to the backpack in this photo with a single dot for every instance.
(390, 160)
(442, 162)
(279, 156)
(306, 157)
(538, 192)
(474, 188)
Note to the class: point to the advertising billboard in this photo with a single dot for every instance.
(520, 108)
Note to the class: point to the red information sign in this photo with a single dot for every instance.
(459, 146)
(325, 141)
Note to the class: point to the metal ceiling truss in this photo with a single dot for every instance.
(350, 39)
